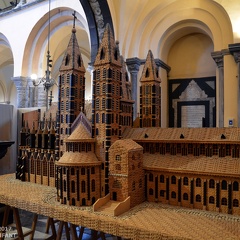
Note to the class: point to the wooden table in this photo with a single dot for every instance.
(146, 221)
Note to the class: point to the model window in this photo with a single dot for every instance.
(224, 185)
(97, 118)
(92, 170)
(211, 199)
(211, 183)
(185, 196)
(162, 178)
(185, 181)
(173, 194)
(198, 198)
(82, 171)
(224, 201)
(235, 203)
(118, 167)
(72, 171)
(118, 157)
(150, 177)
(162, 193)
(235, 186)
(173, 180)
(198, 182)
(103, 103)
(150, 191)
(97, 104)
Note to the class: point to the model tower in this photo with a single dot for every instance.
(150, 94)
(106, 100)
(71, 89)
(126, 117)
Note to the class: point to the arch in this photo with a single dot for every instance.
(198, 198)
(185, 196)
(224, 185)
(198, 182)
(211, 183)
(37, 42)
(224, 201)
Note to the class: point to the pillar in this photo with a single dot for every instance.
(235, 51)
(218, 58)
(133, 65)
(22, 85)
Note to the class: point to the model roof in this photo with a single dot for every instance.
(127, 144)
(78, 159)
(150, 69)
(208, 135)
(80, 134)
(225, 166)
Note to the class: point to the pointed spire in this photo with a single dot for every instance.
(150, 69)
(108, 51)
(72, 59)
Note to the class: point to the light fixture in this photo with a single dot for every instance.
(47, 81)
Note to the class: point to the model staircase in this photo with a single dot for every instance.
(108, 208)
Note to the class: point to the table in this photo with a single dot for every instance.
(145, 221)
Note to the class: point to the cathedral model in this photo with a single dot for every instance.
(107, 160)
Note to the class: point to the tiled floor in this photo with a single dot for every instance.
(27, 219)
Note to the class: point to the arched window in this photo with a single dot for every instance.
(224, 201)
(235, 203)
(162, 178)
(185, 196)
(211, 183)
(224, 185)
(173, 194)
(185, 181)
(103, 118)
(198, 182)
(82, 171)
(162, 193)
(235, 186)
(73, 202)
(97, 118)
(198, 198)
(173, 180)
(118, 167)
(211, 199)
(150, 191)
(102, 54)
(150, 177)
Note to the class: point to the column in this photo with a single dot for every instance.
(22, 84)
(218, 58)
(133, 67)
(235, 51)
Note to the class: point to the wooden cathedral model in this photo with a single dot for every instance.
(109, 161)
